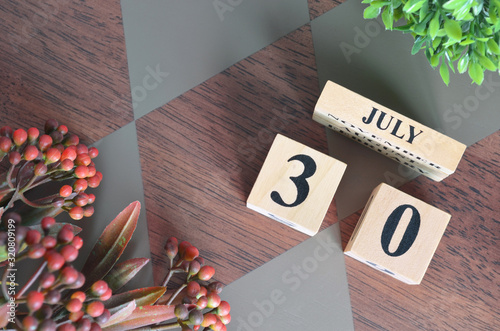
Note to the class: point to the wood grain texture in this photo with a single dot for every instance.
(319, 7)
(461, 288)
(202, 152)
(65, 60)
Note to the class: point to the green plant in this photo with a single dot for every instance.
(59, 297)
(465, 32)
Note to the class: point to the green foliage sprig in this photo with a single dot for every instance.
(465, 32)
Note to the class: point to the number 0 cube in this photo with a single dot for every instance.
(397, 234)
(296, 185)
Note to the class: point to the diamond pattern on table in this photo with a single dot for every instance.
(172, 46)
(201, 154)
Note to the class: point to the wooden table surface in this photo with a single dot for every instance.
(201, 153)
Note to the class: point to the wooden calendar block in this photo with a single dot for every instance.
(408, 142)
(296, 185)
(397, 234)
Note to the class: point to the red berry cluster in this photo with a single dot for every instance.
(54, 155)
(84, 310)
(198, 297)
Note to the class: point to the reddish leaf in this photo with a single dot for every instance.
(111, 244)
(143, 316)
(123, 272)
(142, 296)
(120, 314)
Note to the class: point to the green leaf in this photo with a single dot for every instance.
(111, 244)
(143, 316)
(123, 272)
(487, 63)
(453, 29)
(476, 73)
(423, 10)
(435, 60)
(142, 297)
(371, 12)
(467, 41)
(418, 44)
(387, 18)
(379, 4)
(413, 5)
(454, 4)
(493, 46)
(463, 63)
(444, 72)
(434, 25)
(436, 42)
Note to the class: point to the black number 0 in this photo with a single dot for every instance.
(299, 181)
(410, 233)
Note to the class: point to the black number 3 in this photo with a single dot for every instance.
(299, 181)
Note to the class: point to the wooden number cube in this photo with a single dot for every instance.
(402, 139)
(397, 234)
(296, 185)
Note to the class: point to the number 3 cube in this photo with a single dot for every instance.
(296, 185)
(397, 234)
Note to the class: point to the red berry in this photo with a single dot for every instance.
(47, 325)
(106, 294)
(104, 317)
(79, 295)
(71, 140)
(14, 157)
(202, 302)
(91, 198)
(83, 324)
(95, 308)
(225, 318)
(93, 152)
(77, 242)
(92, 171)
(19, 136)
(52, 155)
(79, 282)
(49, 242)
(33, 134)
(206, 272)
(30, 323)
(50, 125)
(69, 153)
(181, 311)
(5, 144)
(93, 181)
(46, 280)
(6, 131)
(44, 142)
(36, 251)
(195, 317)
(81, 199)
(95, 327)
(80, 185)
(74, 305)
(40, 169)
(55, 261)
(99, 288)
(194, 267)
(66, 165)
(68, 275)
(88, 211)
(215, 287)
(190, 253)
(82, 149)
(203, 292)
(223, 309)
(81, 171)
(47, 223)
(52, 297)
(75, 317)
(65, 191)
(193, 288)
(30, 153)
(182, 247)
(63, 129)
(66, 234)
(99, 174)
(208, 320)
(213, 300)
(82, 159)
(33, 237)
(34, 300)
(69, 252)
(76, 213)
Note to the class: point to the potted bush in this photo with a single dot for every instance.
(464, 33)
